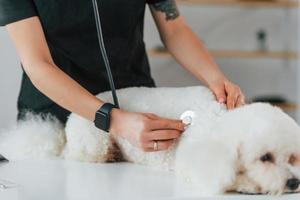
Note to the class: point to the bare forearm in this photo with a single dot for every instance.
(29, 39)
(63, 90)
(189, 51)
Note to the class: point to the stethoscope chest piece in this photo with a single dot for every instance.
(188, 117)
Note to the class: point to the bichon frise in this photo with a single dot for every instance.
(252, 149)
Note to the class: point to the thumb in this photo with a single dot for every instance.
(220, 94)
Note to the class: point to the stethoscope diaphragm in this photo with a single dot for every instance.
(187, 117)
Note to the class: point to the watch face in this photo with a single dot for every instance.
(101, 121)
(102, 118)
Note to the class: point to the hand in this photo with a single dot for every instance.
(143, 130)
(228, 93)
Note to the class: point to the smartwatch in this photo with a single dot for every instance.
(102, 117)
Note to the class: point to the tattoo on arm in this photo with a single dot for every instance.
(168, 7)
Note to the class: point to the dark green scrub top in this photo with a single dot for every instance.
(70, 31)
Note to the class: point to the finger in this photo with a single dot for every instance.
(163, 135)
(220, 94)
(163, 124)
(151, 116)
(240, 101)
(161, 145)
(230, 101)
(233, 94)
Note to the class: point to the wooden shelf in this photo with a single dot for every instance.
(248, 3)
(287, 107)
(235, 54)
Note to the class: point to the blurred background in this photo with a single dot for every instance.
(255, 42)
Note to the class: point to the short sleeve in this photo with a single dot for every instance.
(15, 10)
(151, 1)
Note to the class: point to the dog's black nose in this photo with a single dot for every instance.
(292, 184)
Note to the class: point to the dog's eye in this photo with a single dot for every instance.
(293, 159)
(268, 157)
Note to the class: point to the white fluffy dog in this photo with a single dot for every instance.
(253, 149)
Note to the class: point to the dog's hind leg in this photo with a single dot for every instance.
(85, 142)
(35, 137)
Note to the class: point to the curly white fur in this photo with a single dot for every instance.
(34, 137)
(220, 152)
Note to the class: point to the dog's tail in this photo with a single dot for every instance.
(35, 137)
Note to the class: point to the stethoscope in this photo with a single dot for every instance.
(104, 54)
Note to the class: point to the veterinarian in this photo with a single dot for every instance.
(63, 70)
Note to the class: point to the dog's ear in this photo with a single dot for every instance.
(209, 164)
(242, 183)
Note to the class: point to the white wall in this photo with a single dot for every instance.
(219, 28)
(10, 76)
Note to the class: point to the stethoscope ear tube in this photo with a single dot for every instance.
(104, 54)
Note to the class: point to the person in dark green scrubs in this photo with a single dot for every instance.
(63, 68)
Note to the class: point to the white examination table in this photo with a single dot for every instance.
(65, 180)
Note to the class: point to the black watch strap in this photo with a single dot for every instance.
(102, 117)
